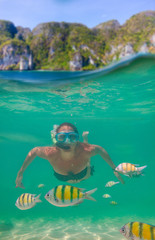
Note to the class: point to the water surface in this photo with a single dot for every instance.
(117, 107)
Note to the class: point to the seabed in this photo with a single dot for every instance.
(78, 229)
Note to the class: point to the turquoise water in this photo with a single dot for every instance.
(117, 107)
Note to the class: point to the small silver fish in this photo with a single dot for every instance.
(106, 196)
(27, 201)
(113, 203)
(111, 183)
(130, 170)
(65, 195)
(41, 185)
(138, 231)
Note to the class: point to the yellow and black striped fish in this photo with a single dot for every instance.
(65, 195)
(111, 183)
(106, 196)
(129, 169)
(27, 201)
(138, 231)
(113, 203)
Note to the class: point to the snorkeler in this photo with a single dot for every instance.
(69, 157)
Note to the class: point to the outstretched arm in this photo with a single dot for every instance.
(38, 151)
(102, 152)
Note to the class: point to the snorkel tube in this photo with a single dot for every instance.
(62, 145)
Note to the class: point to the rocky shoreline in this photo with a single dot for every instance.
(70, 46)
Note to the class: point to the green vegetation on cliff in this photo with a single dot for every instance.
(137, 29)
(7, 29)
(65, 46)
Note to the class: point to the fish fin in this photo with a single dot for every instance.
(90, 198)
(127, 175)
(140, 174)
(87, 194)
(117, 182)
(136, 165)
(76, 204)
(141, 168)
(37, 198)
(131, 175)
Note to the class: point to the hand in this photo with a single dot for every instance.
(19, 180)
(85, 134)
(85, 137)
(20, 185)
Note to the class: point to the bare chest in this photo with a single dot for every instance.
(74, 164)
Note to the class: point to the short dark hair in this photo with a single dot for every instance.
(67, 124)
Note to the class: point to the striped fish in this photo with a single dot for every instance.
(129, 169)
(27, 201)
(65, 195)
(111, 183)
(41, 185)
(138, 231)
(106, 196)
(113, 203)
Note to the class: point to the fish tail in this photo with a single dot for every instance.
(141, 168)
(87, 194)
(37, 198)
(117, 182)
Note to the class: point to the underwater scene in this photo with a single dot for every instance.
(116, 105)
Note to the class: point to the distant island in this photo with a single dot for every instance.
(73, 46)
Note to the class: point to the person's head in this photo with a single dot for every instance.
(66, 136)
(66, 127)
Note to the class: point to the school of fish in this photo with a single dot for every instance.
(66, 195)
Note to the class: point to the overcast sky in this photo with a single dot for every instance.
(29, 13)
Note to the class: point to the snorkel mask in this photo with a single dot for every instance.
(64, 139)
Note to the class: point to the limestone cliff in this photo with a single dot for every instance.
(15, 54)
(73, 46)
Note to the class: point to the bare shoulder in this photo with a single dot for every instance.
(87, 147)
(45, 151)
(93, 149)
